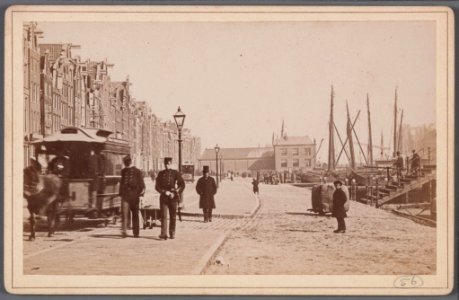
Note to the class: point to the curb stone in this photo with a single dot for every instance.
(212, 252)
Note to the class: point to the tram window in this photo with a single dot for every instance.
(114, 163)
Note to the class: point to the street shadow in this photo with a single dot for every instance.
(309, 214)
(64, 226)
(108, 236)
(195, 221)
(298, 230)
(60, 240)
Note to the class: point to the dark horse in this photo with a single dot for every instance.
(42, 195)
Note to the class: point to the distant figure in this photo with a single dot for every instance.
(132, 187)
(206, 189)
(170, 185)
(339, 198)
(232, 176)
(399, 165)
(255, 186)
(415, 163)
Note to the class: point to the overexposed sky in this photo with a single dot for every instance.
(237, 81)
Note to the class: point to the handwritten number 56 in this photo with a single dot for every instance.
(408, 281)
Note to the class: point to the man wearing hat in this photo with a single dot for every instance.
(132, 187)
(206, 189)
(169, 184)
(339, 198)
(415, 163)
(399, 165)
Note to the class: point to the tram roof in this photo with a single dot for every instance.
(77, 134)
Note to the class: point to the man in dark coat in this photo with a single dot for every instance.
(399, 165)
(169, 184)
(206, 189)
(415, 163)
(255, 186)
(132, 187)
(339, 198)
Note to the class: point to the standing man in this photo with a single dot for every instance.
(255, 186)
(206, 189)
(169, 184)
(339, 198)
(415, 163)
(399, 165)
(132, 187)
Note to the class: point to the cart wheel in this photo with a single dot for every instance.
(93, 215)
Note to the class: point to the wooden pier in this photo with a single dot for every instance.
(393, 192)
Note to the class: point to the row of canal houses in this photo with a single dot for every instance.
(61, 89)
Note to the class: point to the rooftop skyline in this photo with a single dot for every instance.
(236, 82)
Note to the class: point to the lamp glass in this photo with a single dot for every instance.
(179, 118)
(217, 148)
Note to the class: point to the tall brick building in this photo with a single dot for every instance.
(63, 90)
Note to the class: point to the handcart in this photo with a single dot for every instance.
(150, 212)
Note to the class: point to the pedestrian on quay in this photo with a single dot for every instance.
(415, 163)
(132, 187)
(169, 185)
(206, 189)
(339, 198)
(399, 165)
(255, 186)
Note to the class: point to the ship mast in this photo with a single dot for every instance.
(395, 124)
(331, 141)
(399, 148)
(370, 141)
(349, 137)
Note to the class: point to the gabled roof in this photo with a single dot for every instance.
(293, 140)
(239, 153)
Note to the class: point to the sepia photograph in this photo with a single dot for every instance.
(229, 150)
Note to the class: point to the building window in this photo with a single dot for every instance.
(307, 162)
(307, 151)
(295, 151)
(283, 163)
(296, 163)
(283, 151)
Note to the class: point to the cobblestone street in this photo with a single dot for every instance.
(281, 237)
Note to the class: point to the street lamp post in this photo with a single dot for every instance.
(179, 118)
(221, 168)
(217, 149)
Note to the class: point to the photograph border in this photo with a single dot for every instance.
(16, 283)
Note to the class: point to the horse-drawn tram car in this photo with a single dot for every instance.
(89, 163)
